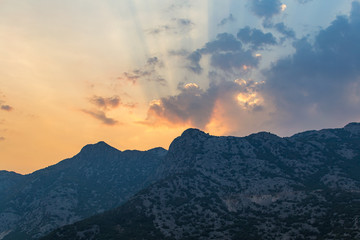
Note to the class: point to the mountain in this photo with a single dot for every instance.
(257, 187)
(99, 178)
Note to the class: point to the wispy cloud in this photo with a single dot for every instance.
(175, 26)
(226, 20)
(7, 108)
(106, 102)
(3, 105)
(149, 72)
(100, 115)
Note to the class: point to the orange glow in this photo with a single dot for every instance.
(217, 124)
(247, 100)
(191, 85)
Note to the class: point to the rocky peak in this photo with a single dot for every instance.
(265, 136)
(193, 133)
(96, 148)
(158, 151)
(353, 128)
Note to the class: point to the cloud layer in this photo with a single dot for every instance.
(321, 78)
(317, 84)
(226, 53)
(196, 107)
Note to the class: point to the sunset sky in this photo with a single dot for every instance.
(137, 73)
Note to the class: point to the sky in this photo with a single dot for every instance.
(136, 74)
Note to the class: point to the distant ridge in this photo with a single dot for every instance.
(98, 178)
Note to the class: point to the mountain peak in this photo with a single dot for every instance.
(158, 151)
(100, 146)
(353, 127)
(193, 132)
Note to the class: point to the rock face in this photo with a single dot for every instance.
(99, 178)
(257, 187)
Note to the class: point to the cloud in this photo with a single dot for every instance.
(2, 139)
(286, 31)
(148, 72)
(321, 80)
(100, 115)
(176, 26)
(226, 20)
(183, 22)
(195, 107)
(179, 52)
(106, 102)
(255, 37)
(153, 61)
(266, 8)
(194, 59)
(6, 108)
(226, 53)
(304, 1)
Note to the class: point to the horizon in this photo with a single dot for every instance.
(138, 74)
(167, 149)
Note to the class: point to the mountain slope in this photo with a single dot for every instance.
(100, 177)
(258, 187)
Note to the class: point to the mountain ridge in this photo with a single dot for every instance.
(260, 186)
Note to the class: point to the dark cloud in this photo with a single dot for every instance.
(6, 108)
(226, 20)
(321, 79)
(100, 115)
(2, 139)
(148, 72)
(229, 60)
(194, 59)
(224, 42)
(284, 30)
(255, 37)
(226, 53)
(106, 102)
(183, 22)
(192, 105)
(195, 107)
(153, 61)
(266, 8)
